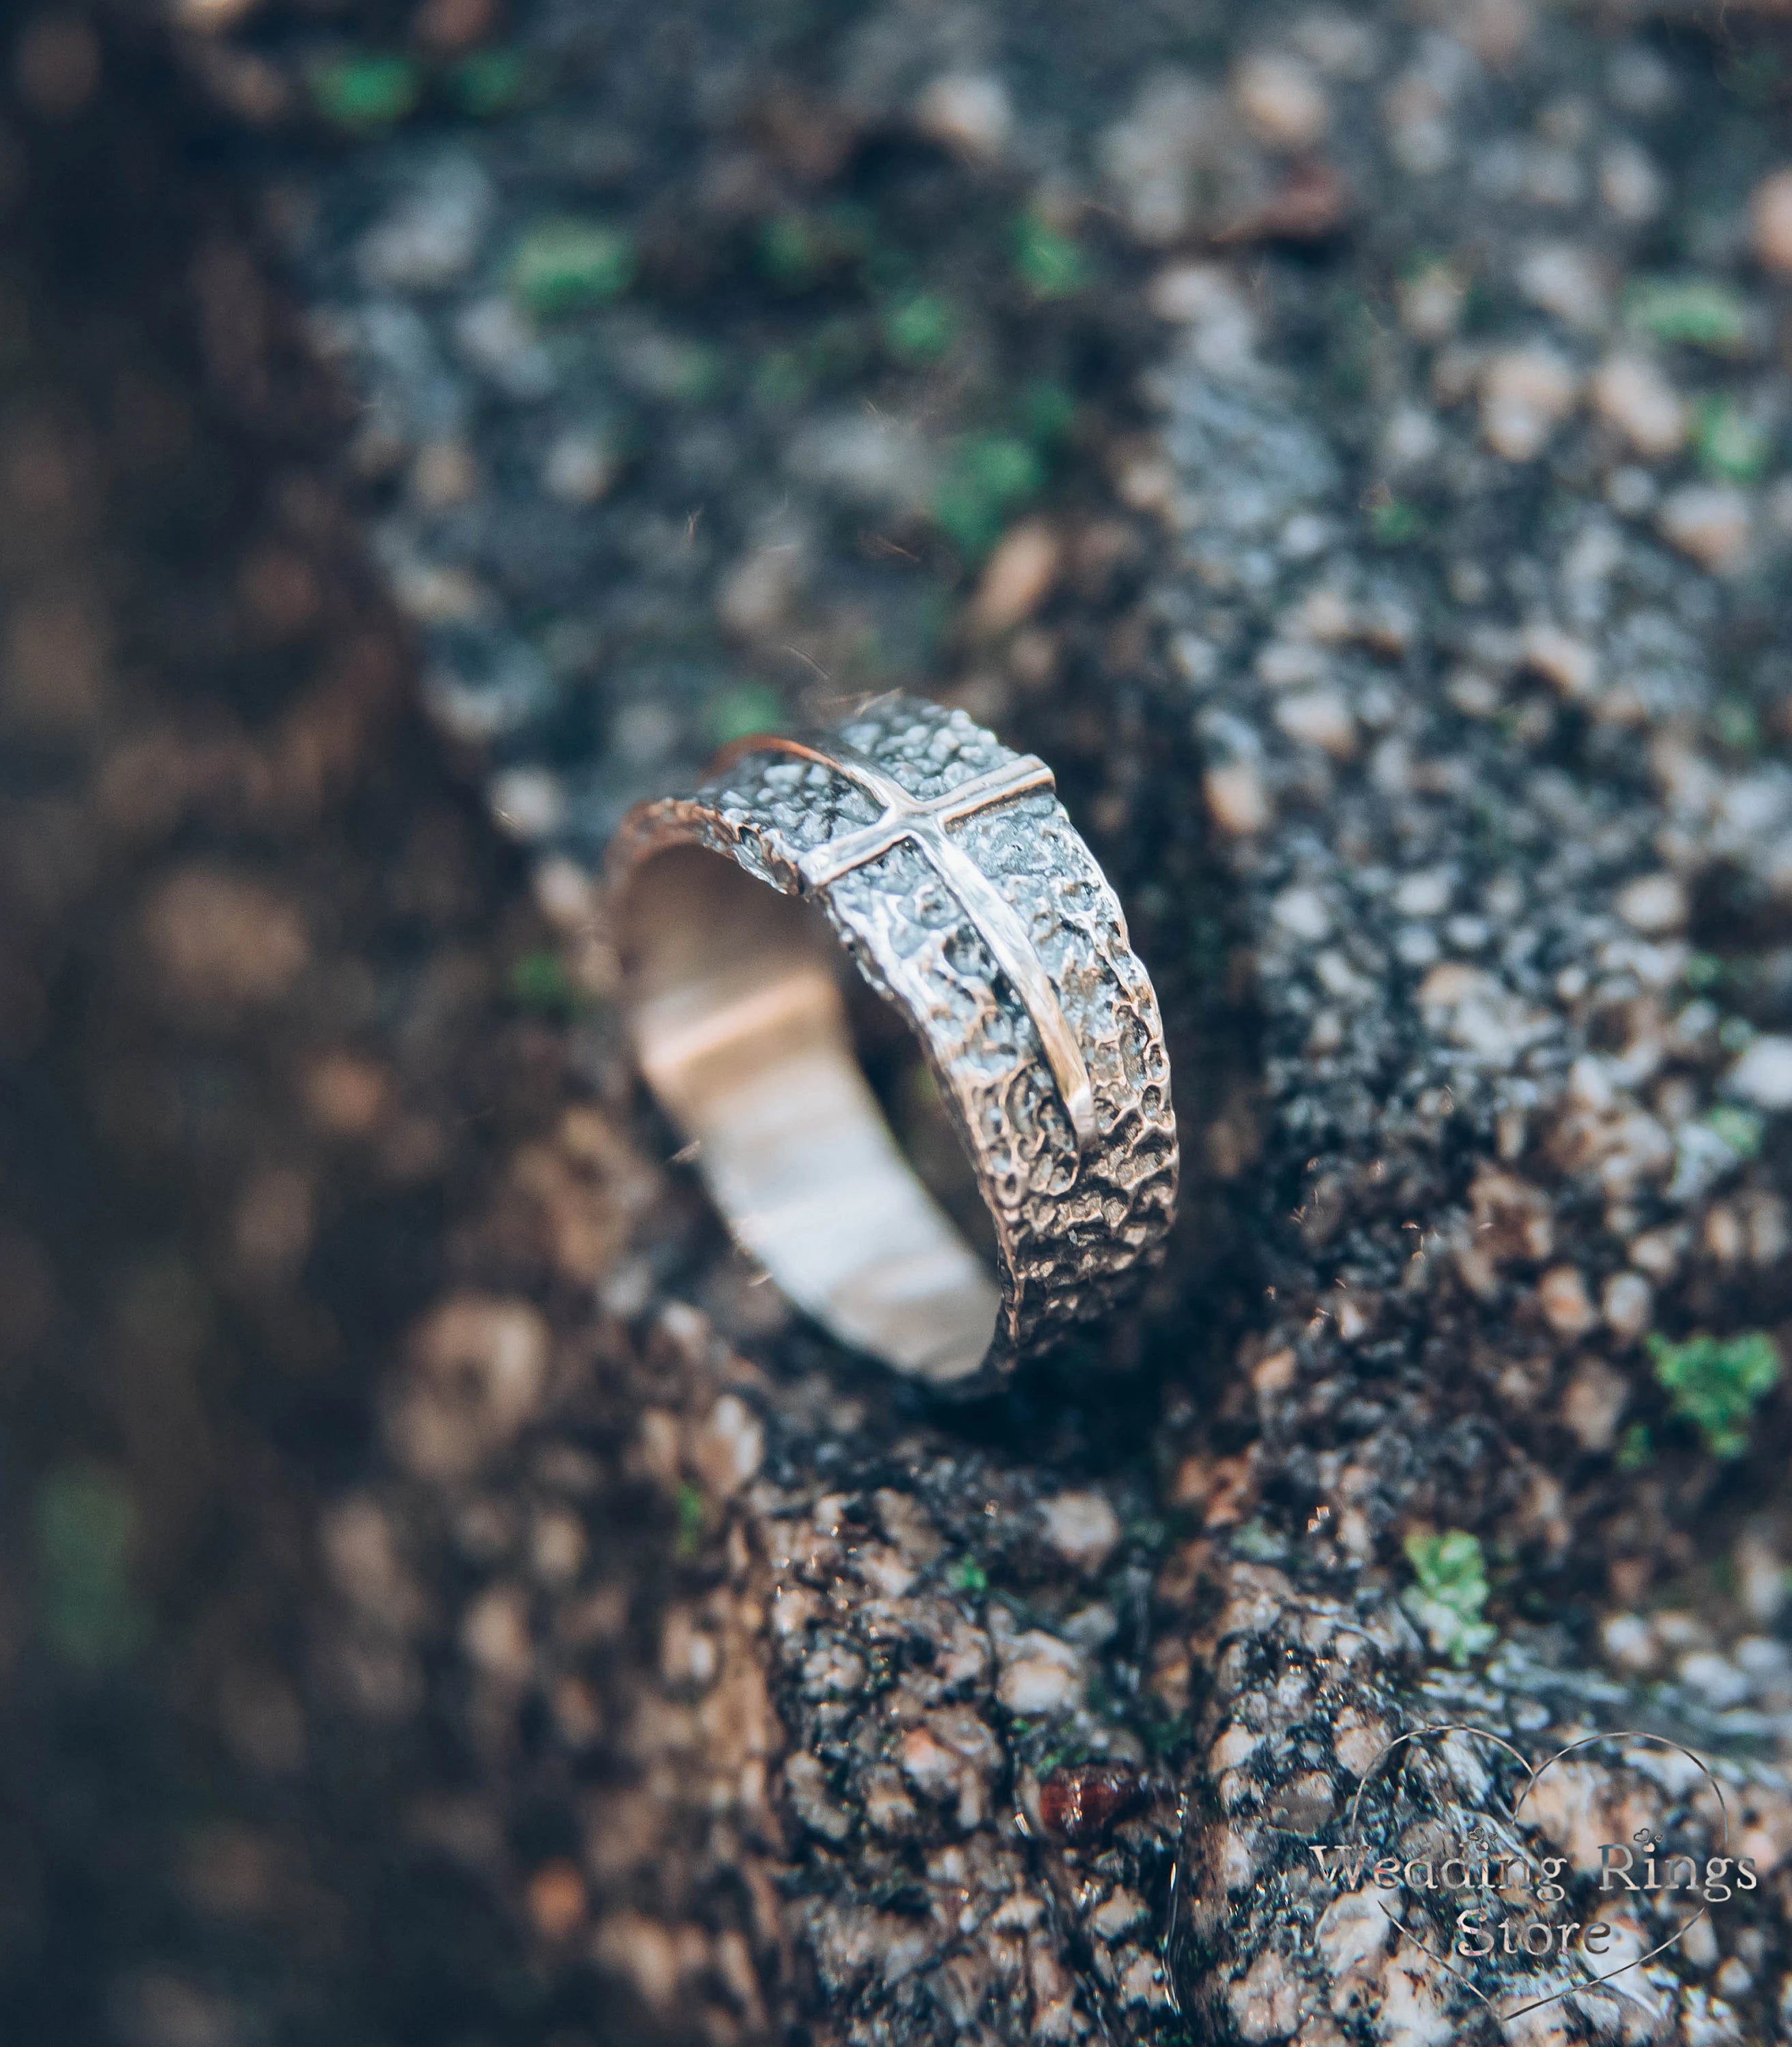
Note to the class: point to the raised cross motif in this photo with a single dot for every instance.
(924, 825)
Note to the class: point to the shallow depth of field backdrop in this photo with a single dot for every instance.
(447, 1600)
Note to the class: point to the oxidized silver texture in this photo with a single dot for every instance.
(1074, 1225)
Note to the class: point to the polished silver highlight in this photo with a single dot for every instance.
(946, 866)
(996, 924)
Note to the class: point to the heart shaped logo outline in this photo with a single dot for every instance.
(1533, 1772)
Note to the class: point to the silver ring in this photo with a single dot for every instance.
(943, 863)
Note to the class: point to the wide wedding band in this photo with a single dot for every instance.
(941, 862)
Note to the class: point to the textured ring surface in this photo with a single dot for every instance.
(948, 869)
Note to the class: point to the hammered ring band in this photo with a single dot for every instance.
(908, 839)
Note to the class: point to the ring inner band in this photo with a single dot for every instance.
(741, 1031)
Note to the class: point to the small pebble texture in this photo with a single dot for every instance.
(448, 1600)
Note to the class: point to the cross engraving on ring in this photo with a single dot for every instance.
(907, 817)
